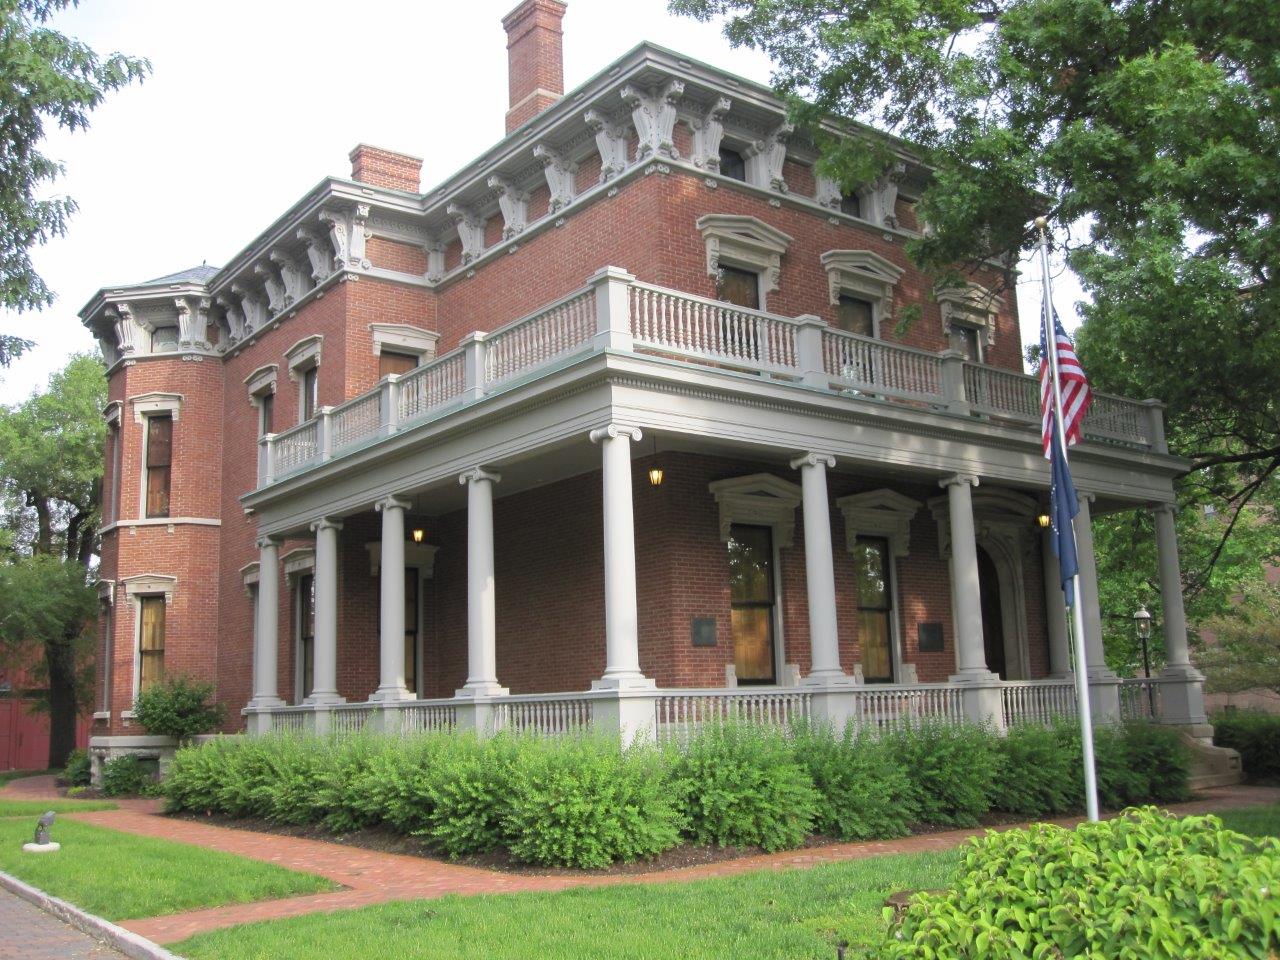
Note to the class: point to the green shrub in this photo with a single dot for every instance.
(1137, 762)
(466, 793)
(178, 707)
(952, 771)
(128, 775)
(739, 785)
(1145, 885)
(586, 803)
(1256, 736)
(74, 793)
(1035, 773)
(78, 770)
(866, 792)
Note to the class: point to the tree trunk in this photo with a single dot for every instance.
(60, 661)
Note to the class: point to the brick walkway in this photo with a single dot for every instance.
(31, 934)
(372, 877)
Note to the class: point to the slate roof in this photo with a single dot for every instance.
(198, 274)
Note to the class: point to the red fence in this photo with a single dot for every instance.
(24, 735)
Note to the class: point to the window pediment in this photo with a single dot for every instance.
(299, 561)
(304, 354)
(972, 305)
(879, 513)
(419, 555)
(150, 404)
(746, 242)
(150, 583)
(861, 271)
(262, 380)
(760, 499)
(402, 338)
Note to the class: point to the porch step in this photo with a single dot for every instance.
(1212, 766)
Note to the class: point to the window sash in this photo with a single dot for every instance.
(752, 603)
(310, 392)
(739, 287)
(307, 630)
(390, 362)
(151, 629)
(267, 413)
(856, 315)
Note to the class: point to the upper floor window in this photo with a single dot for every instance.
(303, 359)
(266, 413)
(391, 362)
(856, 315)
(738, 286)
(968, 340)
(732, 165)
(159, 458)
(309, 393)
(164, 339)
(851, 204)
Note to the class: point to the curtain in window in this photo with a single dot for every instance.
(150, 641)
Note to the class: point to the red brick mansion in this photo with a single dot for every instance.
(614, 427)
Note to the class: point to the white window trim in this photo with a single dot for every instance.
(866, 275)
(106, 602)
(972, 306)
(301, 357)
(149, 404)
(113, 415)
(260, 384)
(888, 514)
(145, 406)
(760, 500)
(135, 588)
(747, 243)
(300, 560)
(402, 338)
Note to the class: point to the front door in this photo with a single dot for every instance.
(992, 614)
(875, 608)
(752, 598)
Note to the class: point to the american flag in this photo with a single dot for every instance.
(1076, 395)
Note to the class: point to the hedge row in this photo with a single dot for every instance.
(1256, 735)
(583, 801)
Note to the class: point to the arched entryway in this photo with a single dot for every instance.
(993, 637)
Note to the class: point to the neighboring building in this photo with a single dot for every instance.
(24, 721)
(397, 459)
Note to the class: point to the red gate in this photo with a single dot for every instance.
(24, 735)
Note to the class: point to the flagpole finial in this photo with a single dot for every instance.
(1042, 223)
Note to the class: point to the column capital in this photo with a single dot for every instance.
(958, 478)
(1085, 497)
(1168, 508)
(476, 474)
(325, 523)
(614, 430)
(814, 459)
(268, 540)
(391, 502)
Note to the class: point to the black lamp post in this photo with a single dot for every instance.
(1142, 626)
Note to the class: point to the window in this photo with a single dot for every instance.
(159, 459)
(851, 204)
(391, 362)
(732, 165)
(875, 608)
(266, 413)
(164, 340)
(411, 581)
(856, 315)
(968, 340)
(738, 286)
(306, 607)
(150, 641)
(310, 388)
(752, 598)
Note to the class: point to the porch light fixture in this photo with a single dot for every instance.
(1044, 520)
(655, 471)
(1142, 626)
(418, 534)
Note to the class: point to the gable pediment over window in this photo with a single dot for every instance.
(747, 243)
(879, 513)
(761, 500)
(865, 276)
(970, 307)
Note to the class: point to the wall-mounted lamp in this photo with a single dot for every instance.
(418, 534)
(655, 471)
(1044, 520)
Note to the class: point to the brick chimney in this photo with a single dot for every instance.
(386, 168)
(535, 58)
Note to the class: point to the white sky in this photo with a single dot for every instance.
(250, 104)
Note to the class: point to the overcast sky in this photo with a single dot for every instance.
(251, 103)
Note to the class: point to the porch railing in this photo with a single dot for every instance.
(891, 707)
(1140, 699)
(543, 714)
(624, 314)
(678, 714)
(1037, 701)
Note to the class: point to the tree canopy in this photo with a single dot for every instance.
(44, 77)
(1146, 131)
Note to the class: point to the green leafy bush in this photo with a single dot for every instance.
(866, 792)
(467, 793)
(1256, 736)
(585, 803)
(1145, 885)
(128, 775)
(1136, 763)
(1035, 774)
(741, 785)
(178, 707)
(952, 771)
(78, 770)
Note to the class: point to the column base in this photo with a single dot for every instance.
(1104, 695)
(975, 678)
(1182, 699)
(324, 698)
(481, 688)
(980, 698)
(391, 695)
(262, 703)
(829, 678)
(637, 681)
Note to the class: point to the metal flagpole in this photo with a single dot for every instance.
(1077, 611)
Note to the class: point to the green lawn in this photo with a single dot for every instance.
(120, 876)
(33, 808)
(791, 914)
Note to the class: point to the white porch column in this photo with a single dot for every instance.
(265, 652)
(621, 619)
(1182, 692)
(819, 564)
(1104, 685)
(980, 687)
(1055, 608)
(482, 616)
(325, 686)
(391, 570)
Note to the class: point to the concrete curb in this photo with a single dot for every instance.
(130, 944)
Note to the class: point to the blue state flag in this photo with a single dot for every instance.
(1063, 507)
